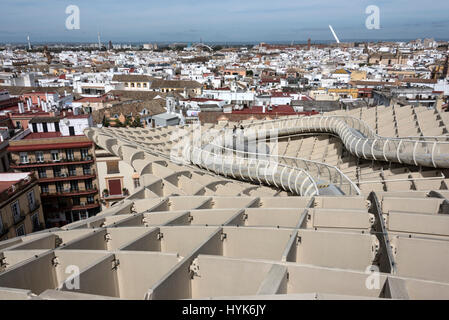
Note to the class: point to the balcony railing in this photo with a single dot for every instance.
(35, 206)
(68, 191)
(50, 162)
(20, 218)
(4, 229)
(38, 227)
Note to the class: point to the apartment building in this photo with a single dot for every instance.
(116, 178)
(20, 205)
(133, 81)
(64, 162)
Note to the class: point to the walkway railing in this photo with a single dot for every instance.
(363, 142)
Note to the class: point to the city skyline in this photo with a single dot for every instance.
(227, 21)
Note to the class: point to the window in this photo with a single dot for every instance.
(55, 155)
(42, 172)
(31, 200)
(34, 125)
(144, 85)
(74, 186)
(76, 201)
(83, 215)
(59, 187)
(86, 169)
(126, 84)
(57, 172)
(20, 231)
(35, 222)
(112, 167)
(44, 188)
(88, 184)
(39, 156)
(84, 154)
(18, 124)
(69, 154)
(138, 85)
(23, 157)
(15, 208)
(115, 187)
(57, 127)
(75, 215)
(136, 182)
(72, 171)
(5, 167)
(90, 199)
(45, 127)
(132, 85)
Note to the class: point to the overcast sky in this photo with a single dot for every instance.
(224, 20)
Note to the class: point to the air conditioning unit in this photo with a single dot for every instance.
(64, 175)
(66, 189)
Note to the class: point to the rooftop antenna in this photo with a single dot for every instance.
(333, 33)
(29, 43)
(99, 41)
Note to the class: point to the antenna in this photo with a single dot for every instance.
(333, 33)
(99, 41)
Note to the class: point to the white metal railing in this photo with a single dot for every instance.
(248, 167)
(363, 142)
(321, 173)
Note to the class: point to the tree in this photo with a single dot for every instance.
(136, 123)
(106, 122)
(118, 123)
(128, 122)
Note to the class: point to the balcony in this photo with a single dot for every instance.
(69, 193)
(108, 196)
(50, 163)
(4, 230)
(68, 176)
(19, 219)
(69, 207)
(38, 227)
(36, 205)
